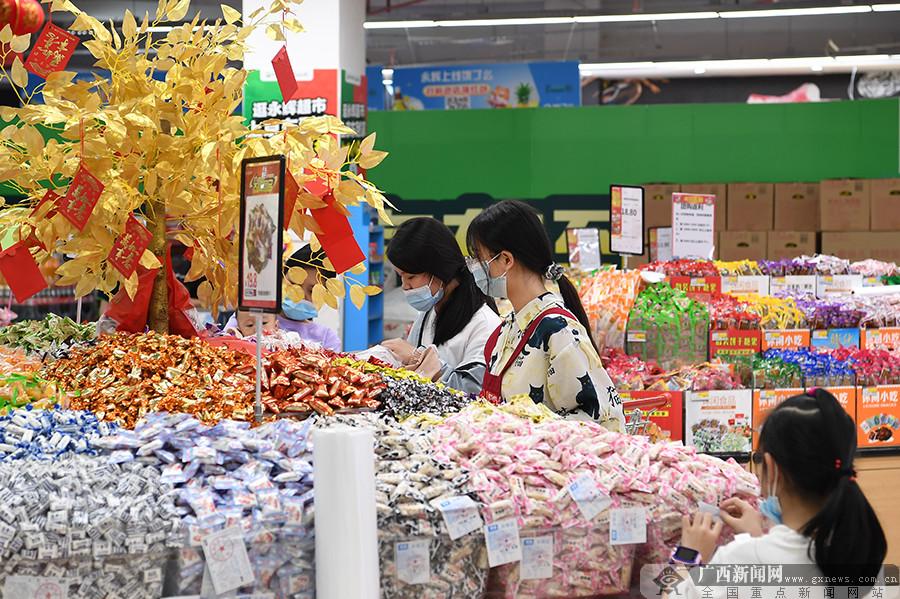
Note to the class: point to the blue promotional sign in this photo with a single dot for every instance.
(506, 85)
(376, 92)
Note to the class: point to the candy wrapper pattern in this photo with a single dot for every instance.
(521, 469)
(673, 327)
(630, 373)
(52, 336)
(224, 475)
(123, 377)
(683, 268)
(48, 434)
(608, 297)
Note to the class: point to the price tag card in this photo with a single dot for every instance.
(413, 562)
(628, 526)
(226, 559)
(584, 249)
(660, 242)
(693, 225)
(590, 499)
(626, 220)
(35, 587)
(804, 283)
(460, 515)
(502, 540)
(746, 285)
(537, 558)
(829, 285)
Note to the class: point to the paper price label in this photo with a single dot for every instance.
(460, 515)
(590, 499)
(628, 526)
(226, 559)
(502, 540)
(413, 562)
(35, 587)
(537, 558)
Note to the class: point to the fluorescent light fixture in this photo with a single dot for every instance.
(387, 73)
(816, 68)
(640, 18)
(617, 65)
(842, 64)
(699, 71)
(794, 12)
(867, 58)
(398, 24)
(388, 81)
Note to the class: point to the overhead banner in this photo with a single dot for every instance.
(504, 85)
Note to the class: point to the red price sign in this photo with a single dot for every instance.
(882, 338)
(733, 342)
(785, 339)
(702, 289)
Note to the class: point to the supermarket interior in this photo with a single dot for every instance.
(480, 299)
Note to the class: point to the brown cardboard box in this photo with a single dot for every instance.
(796, 207)
(658, 204)
(844, 205)
(885, 199)
(880, 245)
(720, 190)
(742, 245)
(750, 206)
(791, 244)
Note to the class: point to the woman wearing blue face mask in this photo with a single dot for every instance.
(455, 318)
(297, 317)
(821, 516)
(544, 348)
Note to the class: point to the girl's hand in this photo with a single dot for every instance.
(741, 516)
(400, 348)
(701, 534)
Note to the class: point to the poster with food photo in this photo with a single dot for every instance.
(878, 417)
(262, 215)
(719, 422)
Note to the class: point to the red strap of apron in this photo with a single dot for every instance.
(492, 340)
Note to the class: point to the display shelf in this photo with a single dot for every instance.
(365, 327)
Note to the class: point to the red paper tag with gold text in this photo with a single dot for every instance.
(21, 272)
(51, 52)
(84, 191)
(126, 252)
(284, 72)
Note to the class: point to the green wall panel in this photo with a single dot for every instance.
(534, 153)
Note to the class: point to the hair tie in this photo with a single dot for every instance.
(554, 272)
(853, 477)
(837, 464)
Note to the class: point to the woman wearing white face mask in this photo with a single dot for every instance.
(544, 348)
(446, 341)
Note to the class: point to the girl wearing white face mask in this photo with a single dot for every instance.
(544, 348)
(446, 341)
(821, 516)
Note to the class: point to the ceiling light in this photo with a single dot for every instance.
(506, 22)
(616, 65)
(886, 7)
(387, 73)
(639, 18)
(388, 81)
(699, 71)
(816, 67)
(397, 24)
(794, 12)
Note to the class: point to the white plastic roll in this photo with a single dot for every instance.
(346, 524)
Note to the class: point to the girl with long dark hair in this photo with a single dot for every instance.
(821, 516)
(446, 342)
(544, 349)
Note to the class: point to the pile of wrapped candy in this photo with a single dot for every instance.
(874, 268)
(54, 335)
(19, 385)
(774, 313)
(303, 381)
(667, 327)
(608, 297)
(781, 369)
(739, 268)
(630, 373)
(729, 312)
(787, 267)
(838, 312)
(871, 366)
(123, 377)
(683, 268)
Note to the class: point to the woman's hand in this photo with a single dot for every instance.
(400, 348)
(701, 534)
(741, 516)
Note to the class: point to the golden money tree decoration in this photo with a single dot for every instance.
(161, 134)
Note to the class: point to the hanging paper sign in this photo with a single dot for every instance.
(693, 225)
(84, 191)
(734, 342)
(50, 197)
(291, 193)
(284, 72)
(337, 238)
(21, 272)
(126, 252)
(626, 220)
(51, 52)
(261, 234)
(584, 248)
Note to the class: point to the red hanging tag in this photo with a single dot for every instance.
(21, 272)
(53, 198)
(284, 72)
(126, 252)
(291, 193)
(52, 51)
(337, 236)
(84, 191)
